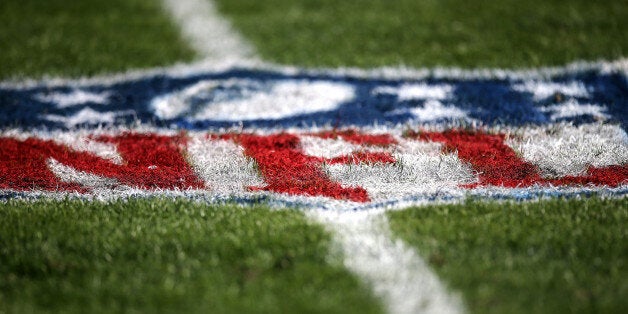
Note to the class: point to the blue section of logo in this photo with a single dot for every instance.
(216, 100)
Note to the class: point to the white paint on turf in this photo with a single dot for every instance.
(75, 97)
(174, 105)
(71, 175)
(542, 90)
(208, 33)
(418, 91)
(420, 167)
(283, 100)
(572, 109)
(286, 99)
(222, 165)
(327, 147)
(78, 140)
(85, 143)
(87, 115)
(434, 110)
(395, 271)
(412, 174)
(564, 149)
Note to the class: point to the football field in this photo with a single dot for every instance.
(313, 156)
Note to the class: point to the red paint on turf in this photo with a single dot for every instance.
(362, 157)
(23, 165)
(156, 162)
(497, 164)
(609, 176)
(286, 169)
(150, 161)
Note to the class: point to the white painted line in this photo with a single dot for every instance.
(396, 272)
(208, 33)
(222, 165)
(101, 185)
(568, 150)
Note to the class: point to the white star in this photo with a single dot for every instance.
(433, 110)
(87, 116)
(572, 109)
(75, 97)
(543, 90)
(417, 91)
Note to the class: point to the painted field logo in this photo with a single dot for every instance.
(322, 139)
(343, 165)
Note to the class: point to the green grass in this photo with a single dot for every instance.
(461, 33)
(168, 256)
(557, 256)
(86, 37)
(179, 256)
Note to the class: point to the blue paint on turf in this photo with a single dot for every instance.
(487, 101)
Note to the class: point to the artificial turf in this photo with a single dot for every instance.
(551, 256)
(169, 256)
(427, 33)
(86, 37)
(165, 256)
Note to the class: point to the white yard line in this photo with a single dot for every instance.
(208, 33)
(396, 272)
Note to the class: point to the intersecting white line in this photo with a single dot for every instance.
(395, 271)
(208, 33)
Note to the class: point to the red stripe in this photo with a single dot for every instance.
(362, 157)
(23, 165)
(497, 164)
(608, 176)
(286, 169)
(150, 161)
